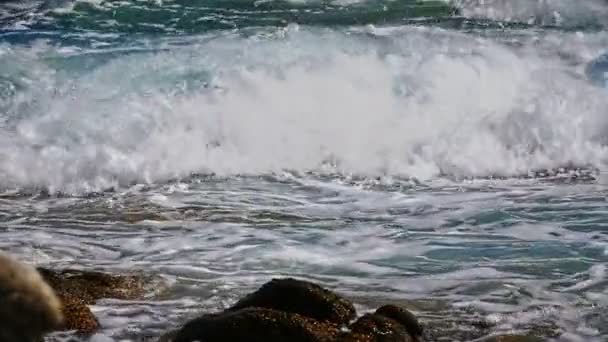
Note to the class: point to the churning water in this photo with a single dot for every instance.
(444, 152)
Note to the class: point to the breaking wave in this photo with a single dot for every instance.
(393, 101)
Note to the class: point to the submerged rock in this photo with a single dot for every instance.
(301, 297)
(256, 325)
(28, 306)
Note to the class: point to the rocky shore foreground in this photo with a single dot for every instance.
(35, 302)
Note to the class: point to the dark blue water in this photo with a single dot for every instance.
(450, 156)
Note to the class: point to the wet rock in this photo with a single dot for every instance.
(295, 310)
(255, 325)
(78, 316)
(377, 328)
(169, 336)
(28, 306)
(78, 289)
(404, 317)
(89, 286)
(301, 297)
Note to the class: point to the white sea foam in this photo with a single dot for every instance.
(546, 12)
(410, 102)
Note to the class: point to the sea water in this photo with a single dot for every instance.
(447, 155)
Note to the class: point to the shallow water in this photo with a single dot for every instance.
(395, 151)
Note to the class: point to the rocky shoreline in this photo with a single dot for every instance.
(284, 309)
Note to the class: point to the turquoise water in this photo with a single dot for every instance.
(448, 155)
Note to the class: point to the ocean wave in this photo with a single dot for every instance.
(180, 16)
(406, 102)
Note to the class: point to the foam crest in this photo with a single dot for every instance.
(299, 99)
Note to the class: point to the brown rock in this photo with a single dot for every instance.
(89, 286)
(301, 297)
(298, 311)
(403, 316)
(256, 325)
(78, 289)
(28, 306)
(78, 316)
(376, 328)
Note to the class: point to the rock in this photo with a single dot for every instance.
(255, 325)
(78, 316)
(376, 328)
(301, 297)
(28, 306)
(299, 311)
(404, 317)
(168, 336)
(89, 286)
(78, 289)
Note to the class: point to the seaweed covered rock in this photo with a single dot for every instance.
(376, 328)
(256, 325)
(301, 297)
(28, 306)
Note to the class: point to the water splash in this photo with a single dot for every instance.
(410, 102)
